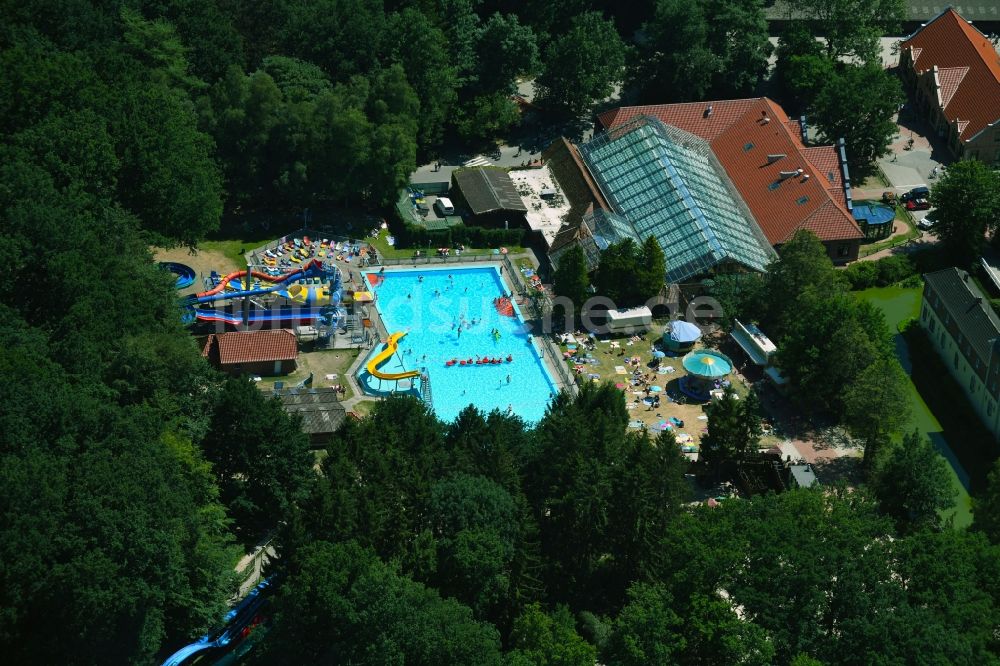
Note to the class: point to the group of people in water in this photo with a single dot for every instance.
(482, 360)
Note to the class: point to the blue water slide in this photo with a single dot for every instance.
(236, 318)
(235, 621)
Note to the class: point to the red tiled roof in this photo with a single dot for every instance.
(689, 117)
(742, 134)
(826, 162)
(251, 347)
(951, 43)
(829, 222)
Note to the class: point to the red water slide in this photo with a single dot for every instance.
(291, 275)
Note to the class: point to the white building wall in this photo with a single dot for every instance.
(947, 348)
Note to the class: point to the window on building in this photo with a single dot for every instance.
(942, 339)
(933, 325)
(989, 408)
(972, 384)
(956, 360)
(843, 250)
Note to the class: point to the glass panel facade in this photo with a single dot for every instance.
(665, 182)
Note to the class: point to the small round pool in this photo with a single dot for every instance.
(873, 213)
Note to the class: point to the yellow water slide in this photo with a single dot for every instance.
(390, 348)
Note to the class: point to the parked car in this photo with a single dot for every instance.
(928, 222)
(916, 193)
(918, 204)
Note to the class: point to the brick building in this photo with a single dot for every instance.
(267, 353)
(953, 73)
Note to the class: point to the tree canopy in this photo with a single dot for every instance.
(701, 50)
(582, 65)
(967, 203)
(135, 476)
(857, 103)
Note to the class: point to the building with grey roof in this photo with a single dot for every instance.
(489, 190)
(965, 331)
(319, 408)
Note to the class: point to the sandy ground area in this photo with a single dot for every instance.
(611, 361)
(328, 367)
(202, 261)
(828, 449)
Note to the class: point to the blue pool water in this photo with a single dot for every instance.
(431, 304)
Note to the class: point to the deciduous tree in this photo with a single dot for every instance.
(687, 56)
(967, 203)
(547, 639)
(260, 457)
(876, 407)
(852, 28)
(914, 485)
(341, 604)
(581, 66)
(571, 280)
(857, 104)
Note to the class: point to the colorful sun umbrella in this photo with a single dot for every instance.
(707, 363)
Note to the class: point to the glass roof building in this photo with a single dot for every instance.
(666, 183)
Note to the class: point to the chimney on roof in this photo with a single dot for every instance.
(799, 171)
(708, 112)
(771, 159)
(805, 178)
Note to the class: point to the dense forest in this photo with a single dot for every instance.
(134, 476)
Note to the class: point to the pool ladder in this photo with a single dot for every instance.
(425, 387)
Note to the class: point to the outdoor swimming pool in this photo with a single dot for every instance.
(448, 314)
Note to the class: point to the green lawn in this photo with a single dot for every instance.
(899, 304)
(364, 407)
(232, 249)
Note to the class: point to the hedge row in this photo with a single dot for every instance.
(416, 236)
(881, 273)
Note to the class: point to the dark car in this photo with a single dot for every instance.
(916, 193)
(918, 204)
